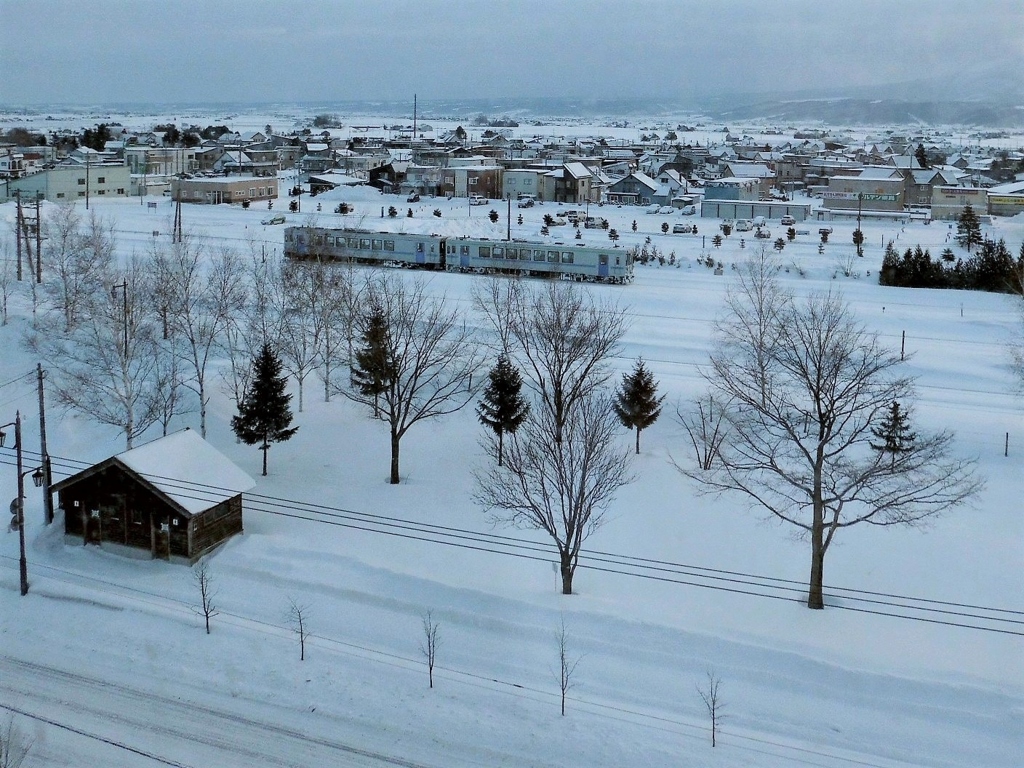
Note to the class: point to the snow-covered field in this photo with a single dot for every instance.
(106, 649)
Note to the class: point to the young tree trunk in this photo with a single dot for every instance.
(815, 598)
(265, 448)
(501, 445)
(638, 441)
(395, 442)
(567, 573)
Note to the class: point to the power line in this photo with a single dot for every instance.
(883, 604)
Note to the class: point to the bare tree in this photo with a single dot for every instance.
(432, 356)
(7, 281)
(561, 339)
(302, 328)
(566, 664)
(169, 387)
(705, 427)
(106, 366)
(562, 488)
(80, 256)
(801, 385)
(298, 616)
(709, 694)
(201, 301)
(204, 582)
(496, 299)
(14, 747)
(430, 643)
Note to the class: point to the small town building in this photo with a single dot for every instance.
(224, 189)
(949, 202)
(1006, 199)
(175, 499)
(635, 189)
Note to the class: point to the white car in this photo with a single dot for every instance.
(652, 208)
(666, 210)
(276, 219)
(787, 221)
(477, 200)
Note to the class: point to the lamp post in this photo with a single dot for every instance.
(19, 502)
(113, 294)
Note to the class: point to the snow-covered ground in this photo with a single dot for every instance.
(106, 649)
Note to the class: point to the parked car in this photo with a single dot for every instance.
(744, 225)
(413, 198)
(688, 210)
(275, 219)
(652, 208)
(758, 221)
(477, 200)
(526, 202)
(682, 229)
(595, 222)
(666, 210)
(787, 221)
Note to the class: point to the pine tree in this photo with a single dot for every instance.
(893, 434)
(503, 408)
(263, 414)
(374, 368)
(921, 156)
(636, 402)
(968, 228)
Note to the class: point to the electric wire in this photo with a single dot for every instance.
(883, 604)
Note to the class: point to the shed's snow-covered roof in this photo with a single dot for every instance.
(184, 458)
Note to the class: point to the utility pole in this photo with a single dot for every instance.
(113, 294)
(47, 498)
(508, 230)
(87, 163)
(39, 244)
(17, 230)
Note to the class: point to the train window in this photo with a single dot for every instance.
(378, 245)
(353, 242)
(464, 250)
(499, 252)
(364, 243)
(616, 261)
(603, 260)
(485, 251)
(553, 257)
(538, 255)
(567, 257)
(389, 245)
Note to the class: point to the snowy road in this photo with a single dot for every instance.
(179, 731)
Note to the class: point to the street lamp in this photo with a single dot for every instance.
(19, 502)
(113, 294)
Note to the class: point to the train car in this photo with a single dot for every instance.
(365, 247)
(570, 261)
(564, 260)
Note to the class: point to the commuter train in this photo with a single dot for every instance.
(568, 261)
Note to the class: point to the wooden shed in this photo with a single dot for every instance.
(175, 498)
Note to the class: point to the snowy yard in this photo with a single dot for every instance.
(108, 648)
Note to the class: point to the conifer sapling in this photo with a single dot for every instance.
(264, 415)
(502, 407)
(636, 402)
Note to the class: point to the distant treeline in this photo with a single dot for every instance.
(991, 268)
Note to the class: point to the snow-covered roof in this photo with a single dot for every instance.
(184, 458)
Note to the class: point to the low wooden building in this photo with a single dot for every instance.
(175, 498)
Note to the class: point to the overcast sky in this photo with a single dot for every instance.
(105, 51)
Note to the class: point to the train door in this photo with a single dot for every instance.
(602, 265)
(421, 255)
(464, 256)
(443, 258)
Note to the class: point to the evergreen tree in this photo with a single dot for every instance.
(921, 156)
(503, 408)
(636, 402)
(968, 228)
(263, 414)
(893, 434)
(374, 368)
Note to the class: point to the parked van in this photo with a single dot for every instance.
(758, 221)
(744, 225)
(595, 222)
